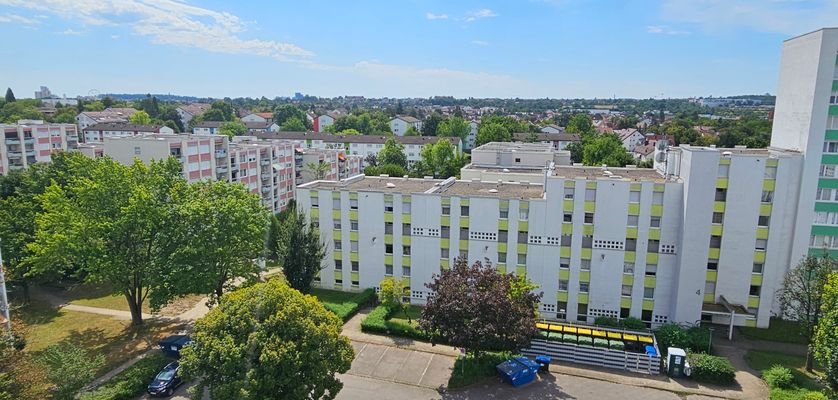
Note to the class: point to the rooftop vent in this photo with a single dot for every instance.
(391, 185)
(506, 170)
(727, 154)
(493, 190)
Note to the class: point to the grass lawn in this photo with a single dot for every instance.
(469, 370)
(413, 311)
(98, 296)
(778, 331)
(806, 382)
(343, 304)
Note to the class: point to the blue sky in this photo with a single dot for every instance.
(402, 48)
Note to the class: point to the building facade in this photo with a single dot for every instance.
(99, 132)
(400, 124)
(33, 141)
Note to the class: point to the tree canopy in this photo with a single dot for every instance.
(219, 111)
(293, 124)
(453, 127)
(232, 129)
(492, 132)
(392, 153)
(605, 149)
(300, 250)
(285, 112)
(140, 118)
(440, 160)
(826, 334)
(268, 341)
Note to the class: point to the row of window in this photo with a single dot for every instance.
(826, 218)
(713, 265)
(716, 243)
(826, 242)
(582, 313)
(770, 171)
(585, 287)
(710, 288)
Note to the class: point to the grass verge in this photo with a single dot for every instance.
(130, 383)
(379, 321)
(807, 382)
(778, 330)
(469, 370)
(343, 304)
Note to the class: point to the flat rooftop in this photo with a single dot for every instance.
(504, 190)
(434, 186)
(515, 147)
(634, 174)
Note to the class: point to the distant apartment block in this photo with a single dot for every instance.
(559, 141)
(514, 162)
(99, 132)
(188, 112)
(115, 115)
(401, 123)
(340, 165)
(33, 141)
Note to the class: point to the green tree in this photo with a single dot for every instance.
(107, 101)
(318, 170)
(430, 124)
(10, 96)
(580, 124)
(492, 132)
(285, 112)
(801, 296)
(412, 131)
(477, 308)
(575, 150)
(350, 131)
(391, 296)
(300, 250)
(385, 169)
(70, 367)
(268, 341)
(293, 124)
(111, 225)
(440, 160)
(393, 153)
(140, 118)
(605, 149)
(232, 129)
(453, 127)
(219, 111)
(220, 233)
(826, 334)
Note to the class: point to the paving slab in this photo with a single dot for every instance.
(367, 360)
(438, 371)
(414, 369)
(390, 363)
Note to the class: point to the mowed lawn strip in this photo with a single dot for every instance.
(343, 304)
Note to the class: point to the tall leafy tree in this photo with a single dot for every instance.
(318, 170)
(219, 111)
(111, 225)
(268, 341)
(391, 295)
(232, 129)
(300, 250)
(453, 127)
(826, 334)
(10, 96)
(288, 111)
(605, 149)
(580, 124)
(440, 160)
(493, 132)
(430, 124)
(220, 232)
(140, 118)
(801, 296)
(293, 124)
(70, 367)
(392, 153)
(479, 309)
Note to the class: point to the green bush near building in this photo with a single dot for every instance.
(380, 321)
(778, 377)
(804, 386)
(130, 383)
(694, 339)
(711, 369)
(469, 370)
(344, 304)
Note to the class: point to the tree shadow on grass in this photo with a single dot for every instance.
(546, 387)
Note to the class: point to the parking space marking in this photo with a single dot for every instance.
(425, 371)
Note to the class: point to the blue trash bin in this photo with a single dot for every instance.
(543, 363)
(518, 371)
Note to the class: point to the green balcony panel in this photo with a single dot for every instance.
(405, 261)
(338, 255)
(445, 220)
(716, 230)
(564, 273)
(521, 248)
(353, 215)
(355, 276)
(629, 256)
(407, 240)
(753, 301)
(569, 183)
(567, 228)
(635, 187)
(338, 275)
(832, 134)
(314, 212)
(353, 235)
(657, 210)
(406, 281)
(463, 222)
(724, 161)
(588, 229)
(590, 185)
(337, 234)
(564, 252)
(501, 268)
(625, 302)
(833, 110)
(567, 205)
(353, 256)
(719, 206)
(769, 185)
(721, 183)
(561, 296)
(756, 279)
(590, 206)
(353, 195)
(335, 195)
(503, 224)
(388, 239)
(712, 275)
(650, 281)
(444, 263)
(521, 270)
(634, 209)
(659, 187)
(523, 226)
(765, 209)
(336, 214)
(827, 183)
(652, 258)
(586, 254)
(406, 199)
(825, 230)
(826, 207)
(713, 253)
(445, 243)
(709, 297)
(762, 232)
(388, 217)
(584, 276)
(464, 202)
(388, 259)
(829, 159)
(631, 233)
(582, 298)
(759, 256)
(503, 247)
(628, 279)
(648, 304)
(463, 244)
(655, 233)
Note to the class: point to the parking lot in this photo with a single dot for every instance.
(400, 365)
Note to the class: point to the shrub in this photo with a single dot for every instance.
(130, 383)
(586, 340)
(345, 309)
(607, 321)
(633, 323)
(778, 377)
(797, 394)
(377, 321)
(711, 369)
(568, 338)
(811, 395)
(698, 339)
(616, 345)
(600, 342)
(695, 339)
(543, 335)
(70, 367)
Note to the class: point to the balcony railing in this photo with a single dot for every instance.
(15, 155)
(265, 162)
(266, 189)
(221, 170)
(29, 140)
(30, 153)
(12, 141)
(220, 153)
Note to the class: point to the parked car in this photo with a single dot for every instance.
(172, 345)
(166, 381)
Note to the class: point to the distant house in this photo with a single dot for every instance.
(206, 127)
(99, 132)
(116, 115)
(643, 152)
(324, 120)
(261, 126)
(552, 128)
(630, 137)
(188, 112)
(262, 117)
(471, 138)
(401, 123)
(559, 141)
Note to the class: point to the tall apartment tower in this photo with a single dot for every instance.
(806, 120)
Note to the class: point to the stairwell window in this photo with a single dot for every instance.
(761, 244)
(767, 196)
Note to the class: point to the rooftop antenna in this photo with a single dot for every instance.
(5, 318)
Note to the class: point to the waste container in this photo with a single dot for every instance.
(543, 363)
(518, 371)
(173, 344)
(676, 362)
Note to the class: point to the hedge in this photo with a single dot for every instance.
(778, 377)
(600, 342)
(130, 383)
(695, 339)
(627, 323)
(711, 369)
(377, 322)
(347, 309)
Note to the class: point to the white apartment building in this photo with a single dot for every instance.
(33, 141)
(401, 123)
(630, 137)
(99, 132)
(559, 141)
(514, 162)
(188, 112)
(341, 166)
(708, 234)
(117, 115)
(471, 138)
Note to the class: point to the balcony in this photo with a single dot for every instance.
(265, 162)
(220, 153)
(28, 140)
(30, 153)
(221, 170)
(15, 155)
(266, 177)
(266, 189)
(12, 141)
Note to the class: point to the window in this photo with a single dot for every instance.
(405, 229)
(631, 244)
(718, 217)
(830, 147)
(589, 218)
(584, 287)
(464, 254)
(646, 315)
(657, 198)
(767, 196)
(405, 271)
(463, 233)
(503, 236)
(568, 217)
(628, 268)
(709, 287)
(338, 265)
(446, 210)
(444, 253)
(651, 269)
(504, 212)
(587, 242)
(388, 269)
(501, 257)
(338, 245)
(655, 222)
(388, 228)
(524, 214)
(760, 244)
(464, 211)
(406, 250)
(353, 204)
(354, 266)
(338, 282)
(522, 237)
(336, 223)
(569, 192)
(713, 264)
(754, 290)
(826, 194)
(138, 150)
(632, 220)
(626, 291)
(715, 242)
(336, 204)
(563, 283)
(353, 245)
(721, 194)
(634, 196)
(406, 207)
(585, 265)
(590, 194)
(724, 169)
(625, 312)
(649, 293)
(763, 220)
(654, 245)
(564, 262)
(561, 306)
(353, 225)
(388, 206)
(566, 240)
(522, 259)
(582, 312)
(445, 232)
(517, 159)
(315, 202)
(770, 173)
(388, 249)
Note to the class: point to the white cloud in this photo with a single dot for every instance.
(170, 22)
(432, 16)
(69, 32)
(664, 30)
(480, 42)
(114, 37)
(790, 17)
(482, 13)
(17, 19)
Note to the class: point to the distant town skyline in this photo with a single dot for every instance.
(490, 48)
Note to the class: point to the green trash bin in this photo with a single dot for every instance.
(676, 362)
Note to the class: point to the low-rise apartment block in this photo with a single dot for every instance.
(99, 132)
(514, 162)
(340, 166)
(33, 141)
(113, 114)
